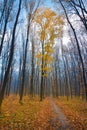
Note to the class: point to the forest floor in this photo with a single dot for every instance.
(60, 116)
(50, 114)
(75, 110)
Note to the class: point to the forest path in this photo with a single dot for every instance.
(60, 117)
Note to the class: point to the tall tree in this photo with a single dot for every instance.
(31, 7)
(50, 25)
(78, 46)
(10, 55)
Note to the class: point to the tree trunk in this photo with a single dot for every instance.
(10, 56)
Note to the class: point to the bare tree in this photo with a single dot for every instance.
(10, 55)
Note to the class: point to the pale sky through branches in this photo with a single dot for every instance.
(48, 3)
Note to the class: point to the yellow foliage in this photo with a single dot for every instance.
(42, 35)
(49, 49)
(46, 68)
(39, 55)
(44, 75)
(50, 28)
(49, 21)
(47, 57)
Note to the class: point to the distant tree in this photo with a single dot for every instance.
(31, 7)
(81, 4)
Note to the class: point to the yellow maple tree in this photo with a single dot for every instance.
(50, 27)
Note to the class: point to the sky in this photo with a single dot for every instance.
(49, 3)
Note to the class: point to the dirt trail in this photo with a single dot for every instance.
(59, 117)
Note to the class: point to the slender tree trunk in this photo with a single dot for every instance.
(32, 71)
(42, 73)
(24, 63)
